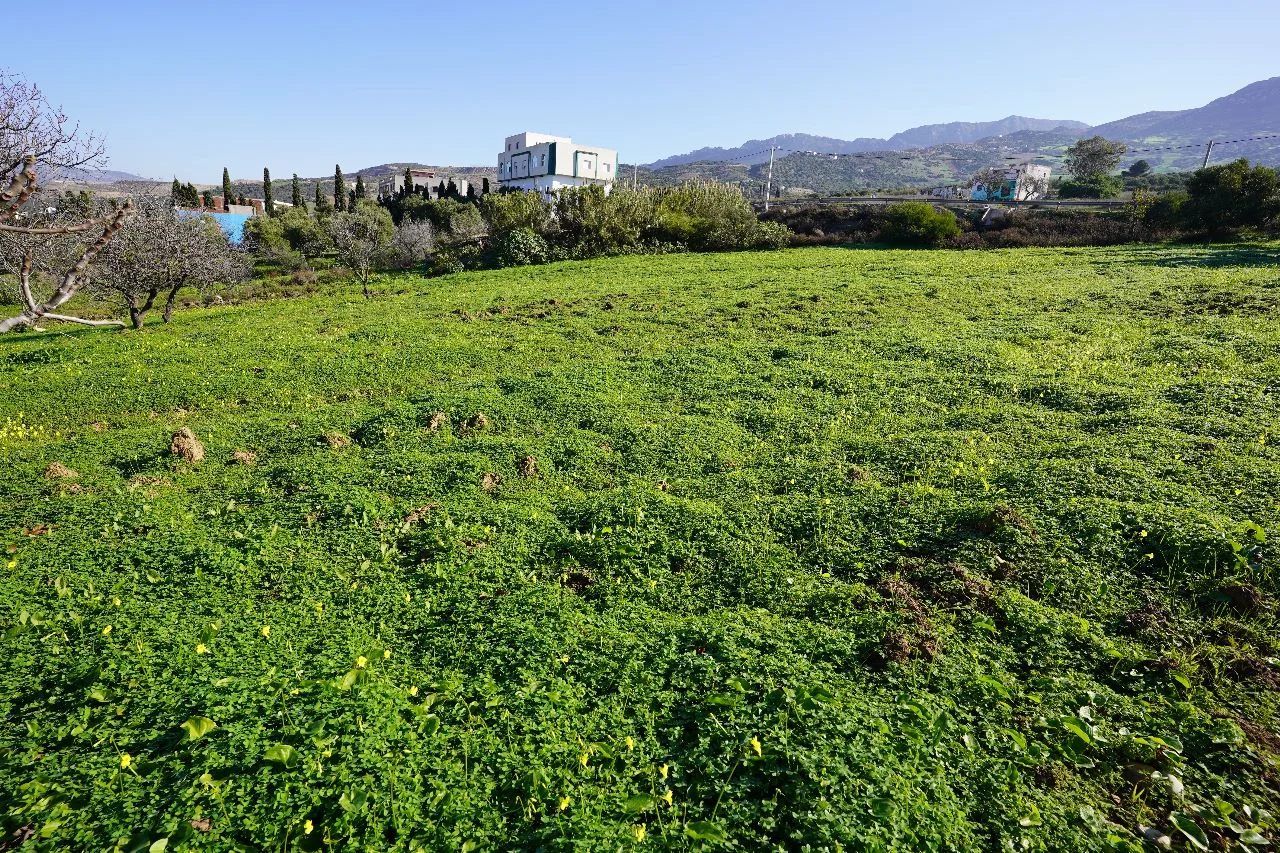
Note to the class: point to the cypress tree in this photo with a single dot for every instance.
(228, 194)
(176, 193)
(408, 182)
(471, 191)
(339, 190)
(441, 190)
(206, 199)
(297, 192)
(360, 192)
(484, 188)
(322, 201)
(453, 190)
(267, 200)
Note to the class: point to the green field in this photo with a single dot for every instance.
(819, 550)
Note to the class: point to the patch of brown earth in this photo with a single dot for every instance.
(186, 446)
(58, 471)
(528, 467)
(336, 440)
(438, 420)
(490, 481)
(244, 457)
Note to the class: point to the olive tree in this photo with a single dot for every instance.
(1093, 157)
(46, 246)
(157, 254)
(362, 238)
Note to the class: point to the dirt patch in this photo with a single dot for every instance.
(244, 457)
(577, 582)
(857, 474)
(1048, 776)
(1253, 670)
(528, 467)
(475, 423)
(1150, 618)
(952, 585)
(99, 426)
(437, 421)
(1003, 518)
(58, 471)
(917, 640)
(186, 446)
(1240, 599)
(490, 481)
(336, 440)
(664, 486)
(1260, 736)
(420, 513)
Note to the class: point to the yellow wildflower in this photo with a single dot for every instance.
(631, 742)
(202, 649)
(13, 564)
(754, 743)
(362, 662)
(266, 630)
(116, 601)
(565, 802)
(662, 770)
(307, 827)
(125, 760)
(106, 630)
(386, 654)
(668, 797)
(583, 759)
(638, 831)
(413, 691)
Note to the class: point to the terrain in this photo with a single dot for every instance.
(812, 549)
(1171, 140)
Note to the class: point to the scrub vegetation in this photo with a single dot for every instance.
(817, 549)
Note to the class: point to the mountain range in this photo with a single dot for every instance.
(757, 150)
(1172, 140)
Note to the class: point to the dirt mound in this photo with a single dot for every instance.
(336, 440)
(528, 467)
(58, 471)
(438, 420)
(244, 457)
(475, 423)
(185, 445)
(490, 481)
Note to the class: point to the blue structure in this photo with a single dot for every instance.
(1007, 192)
(232, 224)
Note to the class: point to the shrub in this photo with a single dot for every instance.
(1232, 195)
(518, 247)
(1101, 186)
(916, 223)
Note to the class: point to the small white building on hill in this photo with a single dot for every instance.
(545, 164)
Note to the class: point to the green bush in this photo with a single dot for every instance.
(517, 248)
(1102, 186)
(917, 223)
(1233, 195)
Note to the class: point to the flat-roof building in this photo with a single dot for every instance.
(543, 163)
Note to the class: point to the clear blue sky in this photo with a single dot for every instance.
(184, 88)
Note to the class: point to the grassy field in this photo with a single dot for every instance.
(810, 550)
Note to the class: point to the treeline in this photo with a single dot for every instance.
(1218, 202)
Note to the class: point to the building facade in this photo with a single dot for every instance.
(545, 164)
(394, 184)
(1025, 182)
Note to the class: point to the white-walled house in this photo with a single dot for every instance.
(544, 163)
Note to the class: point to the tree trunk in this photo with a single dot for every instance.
(170, 303)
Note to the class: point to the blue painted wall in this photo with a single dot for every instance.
(232, 224)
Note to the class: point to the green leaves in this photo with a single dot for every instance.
(198, 727)
(282, 755)
(1189, 828)
(640, 803)
(705, 830)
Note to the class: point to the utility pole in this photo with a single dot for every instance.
(1207, 152)
(768, 181)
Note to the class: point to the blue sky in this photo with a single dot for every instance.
(184, 88)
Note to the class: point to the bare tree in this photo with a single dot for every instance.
(43, 244)
(158, 254)
(362, 239)
(415, 240)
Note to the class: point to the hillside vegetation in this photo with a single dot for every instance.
(815, 549)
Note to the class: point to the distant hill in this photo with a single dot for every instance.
(1170, 140)
(917, 137)
(93, 176)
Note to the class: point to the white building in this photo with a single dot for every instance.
(545, 164)
(392, 184)
(1024, 182)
